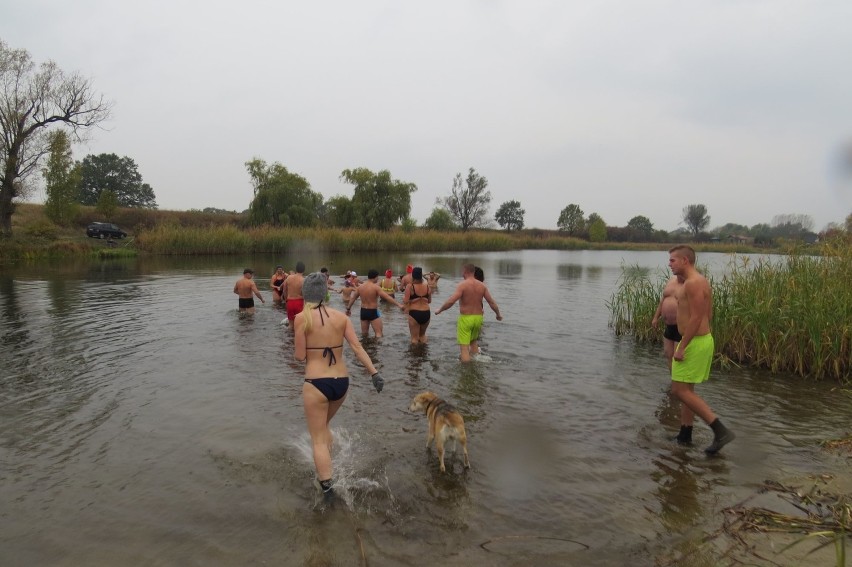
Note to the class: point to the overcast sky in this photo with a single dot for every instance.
(623, 107)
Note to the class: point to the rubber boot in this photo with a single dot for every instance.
(721, 437)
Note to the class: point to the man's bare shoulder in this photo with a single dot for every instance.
(696, 283)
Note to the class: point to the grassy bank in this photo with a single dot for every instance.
(232, 240)
(790, 315)
(199, 233)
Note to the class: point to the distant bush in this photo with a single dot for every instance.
(41, 228)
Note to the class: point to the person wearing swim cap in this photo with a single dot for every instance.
(319, 332)
(405, 280)
(388, 284)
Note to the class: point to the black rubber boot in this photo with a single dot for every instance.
(324, 487)
(685, 435)
(721, 437)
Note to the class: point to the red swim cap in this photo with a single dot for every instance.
(389, 274)
(409, 268)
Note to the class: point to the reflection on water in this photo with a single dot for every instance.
(569, 271)
(509, 268)
(136, 401)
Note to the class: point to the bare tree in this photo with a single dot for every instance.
(695, 218)
(32, 99)
(468, 205)
(800, 222)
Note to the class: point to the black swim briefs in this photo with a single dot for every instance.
(672, 333)
(369, 314)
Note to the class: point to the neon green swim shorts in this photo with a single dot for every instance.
(697, 358)
(467, 328)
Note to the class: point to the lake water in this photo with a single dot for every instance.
(143, 422)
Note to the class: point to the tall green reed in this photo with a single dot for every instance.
(791, 314)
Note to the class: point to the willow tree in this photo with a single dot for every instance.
(281, 198)
(34, 99)
(379, 201)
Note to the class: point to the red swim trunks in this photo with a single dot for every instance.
(294, 307)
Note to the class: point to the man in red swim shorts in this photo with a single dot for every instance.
(293, 292)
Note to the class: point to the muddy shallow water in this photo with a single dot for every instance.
(142, 421)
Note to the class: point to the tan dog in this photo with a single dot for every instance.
(445, 423)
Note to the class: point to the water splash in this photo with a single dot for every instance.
(359, 483)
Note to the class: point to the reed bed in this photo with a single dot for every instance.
(788, 315)
(171, 239)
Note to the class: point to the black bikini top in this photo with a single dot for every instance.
(414, 295)
(326, 351)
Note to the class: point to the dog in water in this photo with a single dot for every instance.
(445, 423)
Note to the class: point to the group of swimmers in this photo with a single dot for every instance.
(319, 332)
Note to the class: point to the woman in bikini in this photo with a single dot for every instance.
(277, 283)
(319, 334)
(417, 298)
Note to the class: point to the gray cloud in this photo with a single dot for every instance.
(624, 108)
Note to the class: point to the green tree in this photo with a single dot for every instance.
(31, 101)
(62, 180)
(107, 204)
(849, 223)
(339, 212)
(440, 220)
(571, 220)
(510, 216)
(641, 228)
(379, 201)
(118, 174)
(281, 198)
(695, 218)
(468, 200)
(597, 229)
(731, 229)
(762, 233)
(594, 217)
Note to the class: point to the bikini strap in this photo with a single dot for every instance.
(327, 351)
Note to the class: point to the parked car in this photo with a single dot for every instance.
(104, 230)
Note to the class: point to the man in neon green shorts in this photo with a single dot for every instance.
(470, 293)
(694, 353)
